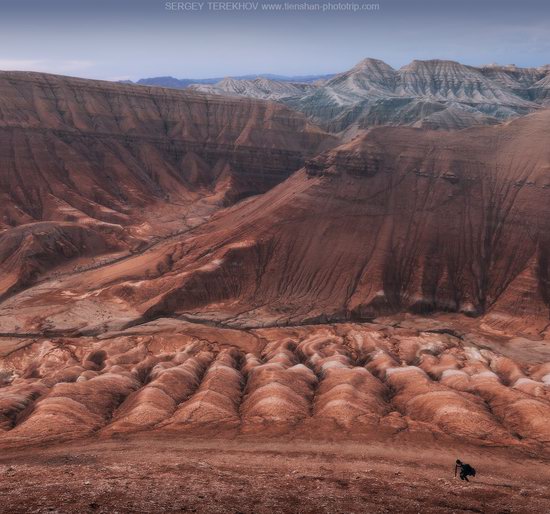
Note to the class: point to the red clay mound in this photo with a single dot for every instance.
(320, 382)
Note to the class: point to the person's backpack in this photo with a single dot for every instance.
(468, 470)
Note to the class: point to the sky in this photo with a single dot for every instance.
(132, 39)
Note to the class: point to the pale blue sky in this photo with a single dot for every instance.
(119, 39)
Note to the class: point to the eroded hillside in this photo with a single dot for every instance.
(435, 93)
(110, 166)
(400, 220)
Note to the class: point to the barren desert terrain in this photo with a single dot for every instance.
(207, 305)
(175, 474)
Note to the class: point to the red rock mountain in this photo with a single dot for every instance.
(89, 167)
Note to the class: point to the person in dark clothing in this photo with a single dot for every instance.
(465, 470)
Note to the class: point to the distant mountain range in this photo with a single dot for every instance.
(434, 94)
(184, 83)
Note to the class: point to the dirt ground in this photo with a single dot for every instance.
(158, 473)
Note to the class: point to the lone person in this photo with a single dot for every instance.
(465, 470)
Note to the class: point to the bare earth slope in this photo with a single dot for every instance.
(109, 165)
(175, 474)
(400, 220)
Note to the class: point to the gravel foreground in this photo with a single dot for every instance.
(155, 474)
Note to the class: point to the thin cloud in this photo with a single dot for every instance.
(45, 65)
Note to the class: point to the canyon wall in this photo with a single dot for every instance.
(127, 163)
